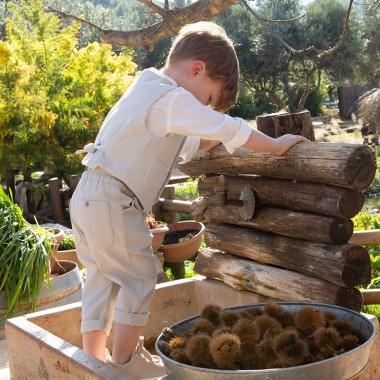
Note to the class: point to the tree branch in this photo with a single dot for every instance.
(285, 20)
(374, 5)
(311, 49)
(154, 7)
(171, 23)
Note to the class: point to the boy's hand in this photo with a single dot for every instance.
(260, 142)
(285, 142)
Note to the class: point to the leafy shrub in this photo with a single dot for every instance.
(53, 96)
(248, 107)
(67, 243)
(370, 221)
(314, 103)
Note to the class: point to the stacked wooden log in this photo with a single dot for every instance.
(295, 246)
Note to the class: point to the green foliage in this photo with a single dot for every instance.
(189, 270)
(366, 221)
(67, 242)
(314, 102)
(374, 189)
(369, 65)
(249, 107)
(271, 71)
(372, 309)
(187, 191)
(370, 221)
(24, 257)
(53, 96)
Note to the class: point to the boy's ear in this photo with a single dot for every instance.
(196, 68)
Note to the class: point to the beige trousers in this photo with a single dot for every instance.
(114, 244)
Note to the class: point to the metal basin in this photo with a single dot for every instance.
(342, 367)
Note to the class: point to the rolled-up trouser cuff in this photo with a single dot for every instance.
(101, 324)
(131, 319)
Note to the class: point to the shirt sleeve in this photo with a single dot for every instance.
(179, 112)
(190, 148)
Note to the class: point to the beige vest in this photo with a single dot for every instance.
(125, 148)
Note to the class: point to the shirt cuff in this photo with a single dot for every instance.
(189, 149)
(240, 138)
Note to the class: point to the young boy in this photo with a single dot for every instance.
(164, 114)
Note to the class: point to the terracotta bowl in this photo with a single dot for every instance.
(174, 253)
(158, 236)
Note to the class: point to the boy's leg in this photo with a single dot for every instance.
(125, 339)
(94, 342)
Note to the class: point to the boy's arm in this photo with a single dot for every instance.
(260, 142)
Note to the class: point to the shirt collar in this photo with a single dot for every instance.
(161, 74)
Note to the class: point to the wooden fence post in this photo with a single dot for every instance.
(169, 216)
(73, 182)
(55, 199)
(177, 269)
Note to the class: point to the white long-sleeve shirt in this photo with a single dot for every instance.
(179, 112)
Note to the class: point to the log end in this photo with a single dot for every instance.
(361, 168)
(351, 203)
(341, 230)
(357, 268)
(350, 298)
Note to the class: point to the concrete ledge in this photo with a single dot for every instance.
(47, 344)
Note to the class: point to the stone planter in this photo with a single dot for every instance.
(48, 343)
(174, 253)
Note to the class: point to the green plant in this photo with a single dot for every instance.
(67, 242)
(51, 91)
(372, 309)
(24, 256)
(187, 191)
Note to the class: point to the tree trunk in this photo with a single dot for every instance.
(296, 195)
(55, 198)
(278, 124)
(301, 225)
(10, 180)
(347, 165)
(343, 265)
(280, 284)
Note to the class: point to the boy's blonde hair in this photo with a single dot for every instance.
(208, 42)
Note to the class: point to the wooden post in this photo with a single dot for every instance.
(278, 124)
(10, 180)
(370, 237)
(178, 269)
(55, 199)
(169, 216)
(73, 182)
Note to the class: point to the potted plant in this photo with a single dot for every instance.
(25, 250)
(157, 229)
(182, 241)
(67, 249)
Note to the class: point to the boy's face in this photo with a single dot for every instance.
(207, 90)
